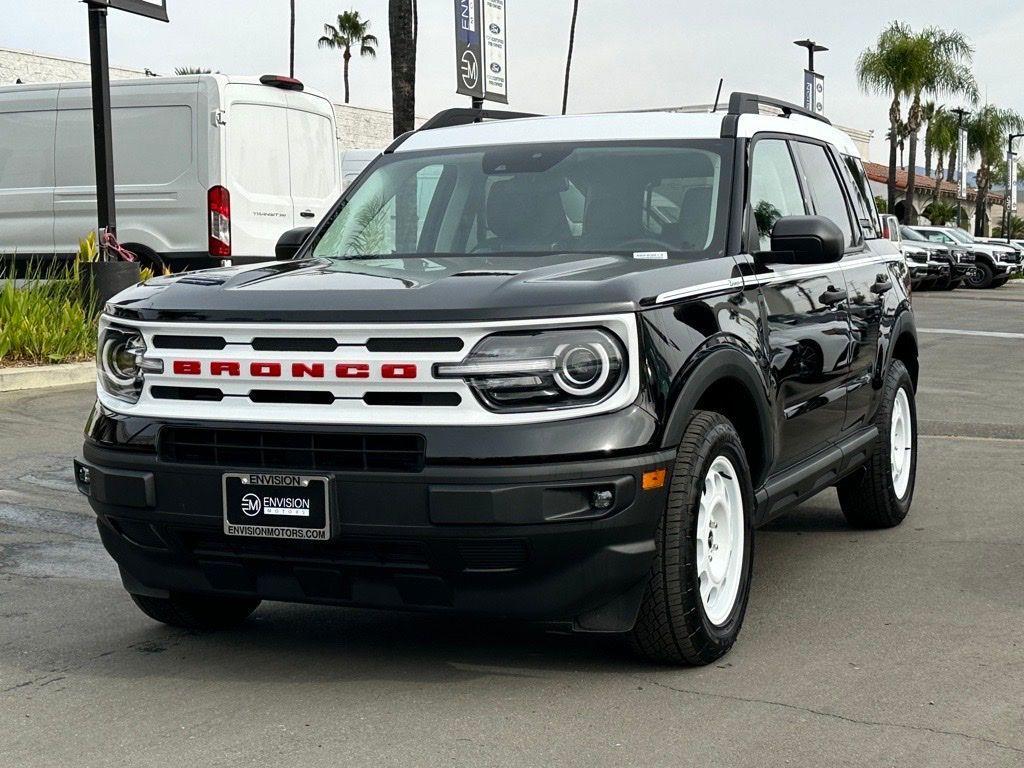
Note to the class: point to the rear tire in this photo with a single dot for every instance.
(694, 604)
(879, 494)
(197, 612)
(1000, 282)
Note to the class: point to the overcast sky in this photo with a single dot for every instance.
(634, 54)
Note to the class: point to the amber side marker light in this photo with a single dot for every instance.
(654, 479)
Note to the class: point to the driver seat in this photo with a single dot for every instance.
(524, 216)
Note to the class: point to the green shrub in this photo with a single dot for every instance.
(44, 321)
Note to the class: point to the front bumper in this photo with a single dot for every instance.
(513, 540)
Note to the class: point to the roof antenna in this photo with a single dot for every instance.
(718, 94)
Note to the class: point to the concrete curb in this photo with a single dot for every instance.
(42, 376)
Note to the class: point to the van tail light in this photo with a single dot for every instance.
(219, 202)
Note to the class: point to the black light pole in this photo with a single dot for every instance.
(102, 139)
(960, 113)
(812, 48)
(1010, 180)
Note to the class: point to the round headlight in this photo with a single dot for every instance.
(542, 370)
(582, 369)
(119, 359)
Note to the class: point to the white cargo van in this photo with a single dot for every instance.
(207, 167)
(354, 162)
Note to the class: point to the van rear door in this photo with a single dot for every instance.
(313, 153)
(257, 168)
(27, 127)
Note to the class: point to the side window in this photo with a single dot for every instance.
(774, 189)
(824, 188)
(860, 191)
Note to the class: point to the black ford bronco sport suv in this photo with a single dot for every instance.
(555, 369)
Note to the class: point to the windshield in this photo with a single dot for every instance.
(959, 235)
(910, 234)
(668, 199)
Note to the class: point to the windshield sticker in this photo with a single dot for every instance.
(650, 255)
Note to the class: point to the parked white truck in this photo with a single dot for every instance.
(208, 168)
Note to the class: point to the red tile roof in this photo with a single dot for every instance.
(880, 173)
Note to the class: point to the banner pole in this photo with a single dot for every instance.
(106, 216)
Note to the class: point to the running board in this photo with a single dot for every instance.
(788, 488)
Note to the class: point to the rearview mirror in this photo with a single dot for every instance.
(290, 242)
(805, 240)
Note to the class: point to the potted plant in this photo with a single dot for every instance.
(101, 280)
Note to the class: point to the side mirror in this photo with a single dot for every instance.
(290, 242)
(805, 240)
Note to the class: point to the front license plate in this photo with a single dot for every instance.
(273, 506)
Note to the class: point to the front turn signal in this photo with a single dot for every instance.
(654, 479)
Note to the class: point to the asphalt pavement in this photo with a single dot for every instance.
(891, 648)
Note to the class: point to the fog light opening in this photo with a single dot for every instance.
(602, 498)
(83, 475)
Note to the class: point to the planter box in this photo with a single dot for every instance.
(40, 376)
(102, 280)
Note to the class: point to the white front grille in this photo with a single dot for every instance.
(243, 389)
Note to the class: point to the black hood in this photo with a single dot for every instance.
(416, 289)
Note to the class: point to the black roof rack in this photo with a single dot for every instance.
(465, 116)
(459, 116)
(750, 104)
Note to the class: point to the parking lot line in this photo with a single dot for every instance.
(957, 332)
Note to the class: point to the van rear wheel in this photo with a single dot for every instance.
(696, 594)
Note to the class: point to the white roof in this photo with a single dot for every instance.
(148, 82)
(619, 126)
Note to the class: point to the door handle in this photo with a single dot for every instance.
(307, 214)
(882, 285)
(833, 296)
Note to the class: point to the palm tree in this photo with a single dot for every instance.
(928, 110)
(352, 30)
(882, 70)
(291, 44)
(192, 71)
(940, 213)
(939, 64)
(403, 30)
(1016, 229)
(942, 135)
(987, 130)
(568, 58)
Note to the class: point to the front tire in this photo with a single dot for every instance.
(696, 594)
(980, 276)
(879, 494)
(197, 612)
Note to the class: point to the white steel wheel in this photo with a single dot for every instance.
(901, 443)
(720, 540)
